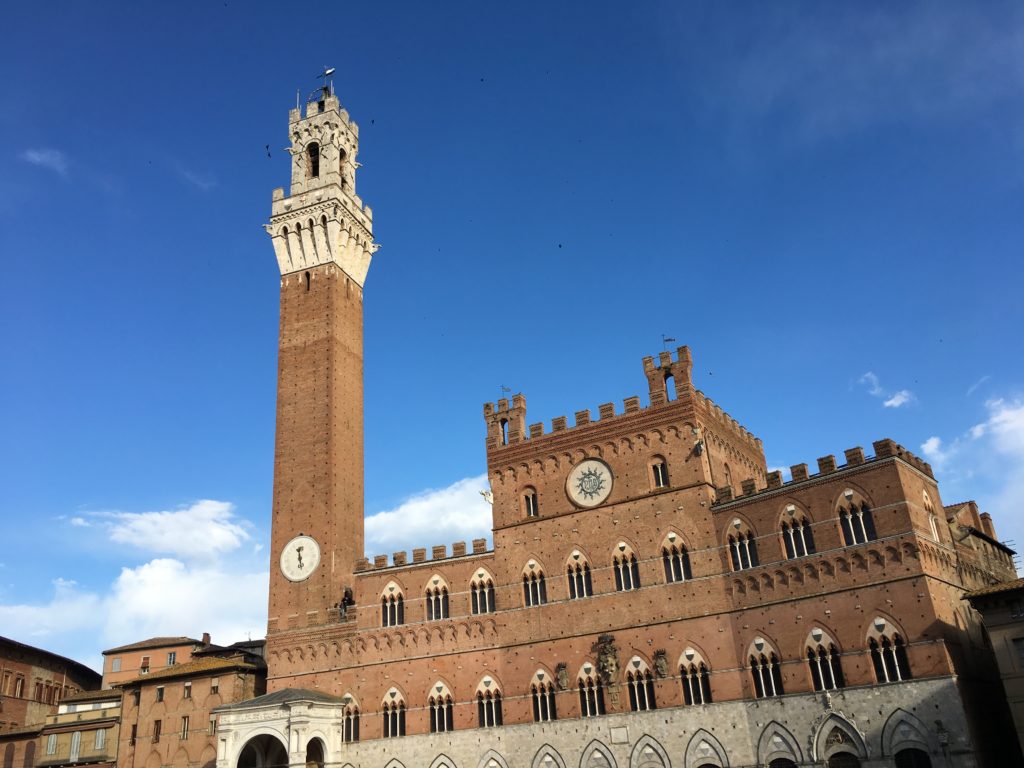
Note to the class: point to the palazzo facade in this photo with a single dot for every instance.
(654, 597)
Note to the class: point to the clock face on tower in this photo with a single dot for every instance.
(299, 558)
(589, 483)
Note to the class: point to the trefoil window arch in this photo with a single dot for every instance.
(481, 593)
(578, 573)
(765, 670)
(535, 591)
(856, 519)
(626, 568)
(742, 546)
(797, 535)
(640, 683)
(488, 704)
(542, 693)
(675, 558)
(392, 606)
(824, 661)
(393, 710)
(695, 678)
(591, 692)
(888, 652)
(442, 709)
(437, 599)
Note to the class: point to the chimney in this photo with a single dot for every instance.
(206, 638)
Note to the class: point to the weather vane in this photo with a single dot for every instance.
(665, 341)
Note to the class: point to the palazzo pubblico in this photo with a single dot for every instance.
(654, 598)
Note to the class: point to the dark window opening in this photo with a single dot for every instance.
(313, 156)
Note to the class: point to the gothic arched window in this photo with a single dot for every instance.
(542, 692)
(591, 692)
(765, 670)
(627, 570)
(393, 710)
(488, 704)
(437, 599)
(855, 519)
(392, 606)
(695, 678)
(797, 536)
(640, 682)
(888, 652)
(481, 593)
(823, 660)
(442, 709)
(742, 546)
(535, 591)
(675, 558)
(578, 572)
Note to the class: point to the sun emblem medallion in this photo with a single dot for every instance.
(589, 483)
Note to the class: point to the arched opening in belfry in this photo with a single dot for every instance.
(504, 431)
(313, 158)
(670, 386)
(341, 166)
(263, 751)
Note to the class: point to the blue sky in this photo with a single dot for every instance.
(823, 201)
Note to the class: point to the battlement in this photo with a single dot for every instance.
(827, 465)
(419, 556)
(506, 423)
(327, 102)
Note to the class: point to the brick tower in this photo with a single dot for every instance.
(323, 239)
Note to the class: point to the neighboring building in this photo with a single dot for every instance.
(147, 656)
(18, 746)
(84, 732)
(1002, 608)
(167, 715)
(655, 597)
(33, 681)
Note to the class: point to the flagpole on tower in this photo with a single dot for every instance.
(665, 341)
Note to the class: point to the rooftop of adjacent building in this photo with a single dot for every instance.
(204, 665)
(88, 675)
(91, 696)
(996, 589)
(159, 642)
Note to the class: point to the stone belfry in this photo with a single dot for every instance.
(323, 239)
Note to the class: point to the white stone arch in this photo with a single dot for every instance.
(837, 734)
(777, 742)
(648, 753)
(903, 730)
(705, 749)
(547, 757)
(492, 759)
(262, 730)
(597, 755)
(394, 763)
(443, 761)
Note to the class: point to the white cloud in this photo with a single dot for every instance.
(871, 381)
(902, 397)
(161, 597)
(978, 383)
(441, 516)
(890, 399)
(199, 180)
(80, 522)
(986, 463)
(51, 159)
(202, 530)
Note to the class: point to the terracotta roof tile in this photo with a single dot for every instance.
(994, 589)
(195, 667)
(107, 693)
